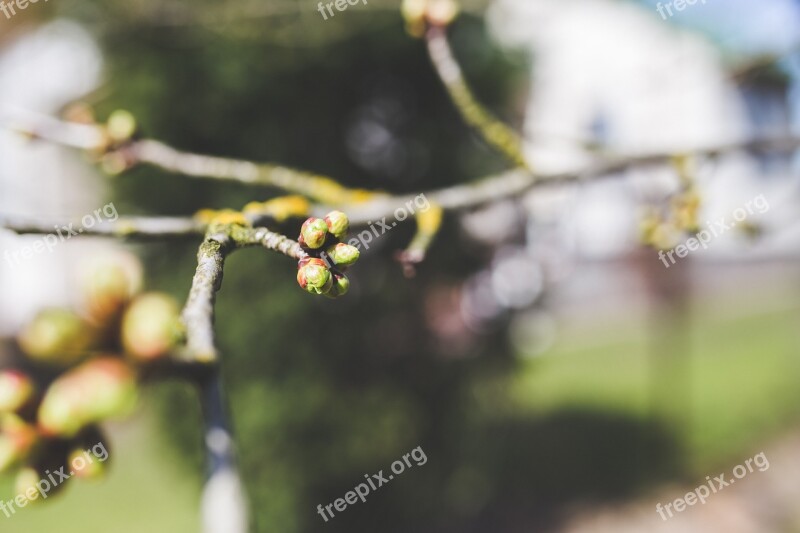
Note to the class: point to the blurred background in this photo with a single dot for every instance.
(558, 377)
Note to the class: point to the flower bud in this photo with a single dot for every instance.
(85, 465)
(343, 254)
(340, 286)
(314, 278)
(151, 326)
(338, 224)
(16, 389)
(56, 336)
(27, 479)
(17, 438)
(442, 12)
(108, 282)
(313, 233)
(121, 125)
(99, 389)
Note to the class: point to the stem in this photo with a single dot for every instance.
(224, 506)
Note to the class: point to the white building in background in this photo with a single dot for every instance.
(646, 85)
(42, 71)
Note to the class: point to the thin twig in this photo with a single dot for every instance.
(134, 228)
(495, 132)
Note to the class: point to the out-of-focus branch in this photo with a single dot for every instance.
(314, 186)
(497, 134)
(134, 228)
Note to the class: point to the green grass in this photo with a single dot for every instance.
(143, 491)
(742, 382)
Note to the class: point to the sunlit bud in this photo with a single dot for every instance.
(338, 224)
(99, 389)
(86, 466)
(27, 479)
(314, 278)
(16, 389)
(414, 11)
(121, 125)
(109, 280)
(57, 336)
(89, 453)
(151, 326)
(114, 163)
(313, 233)
(441, 12)
(343, 254)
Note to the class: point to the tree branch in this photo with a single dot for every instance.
(135, 228)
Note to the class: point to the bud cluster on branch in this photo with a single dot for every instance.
(97, 354)
(321, 271)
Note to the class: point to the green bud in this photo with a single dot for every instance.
(16, 389)
(91, 470)
(313, 233)
(56, 336)
(338, 224)
(314, 278)
(17, 438)
(99, 389)
(108, 282)
(8, 454)
(151, 326)
(340, 286)
(121, 125)
(27, 479)
(343, 254)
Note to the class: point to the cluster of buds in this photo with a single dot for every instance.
(116, 134)
(322, 269)
(97, 354)
(419, 14)
(663, 229)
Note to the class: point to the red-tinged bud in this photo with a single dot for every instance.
(338, 224)
(16, 390)
(56, 336)
(313, 233)
(314, 278)
(109, 281)
(343, 255)
(151, 326)
(17, 439)
(308, 260)
(99, 389)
